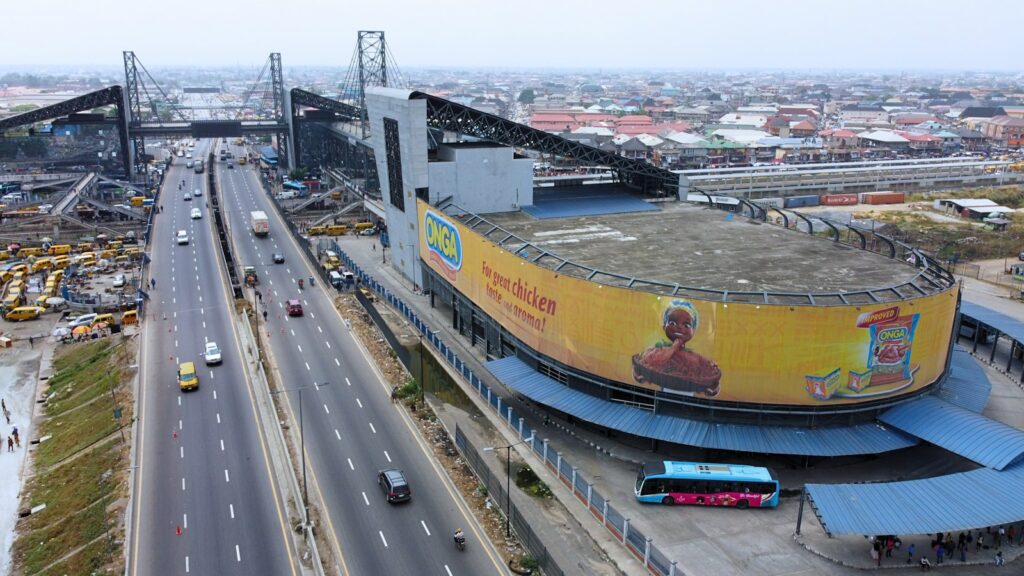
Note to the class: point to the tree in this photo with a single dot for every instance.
(527, 96)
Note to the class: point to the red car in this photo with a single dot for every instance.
(294, 307)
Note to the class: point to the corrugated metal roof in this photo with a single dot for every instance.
(1010, 326)
(967, 385)
(982, 497)
(832, 441)
(971, 435)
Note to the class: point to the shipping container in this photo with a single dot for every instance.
(770, 202)
(800, 201)
(839, 199)
(882, 197)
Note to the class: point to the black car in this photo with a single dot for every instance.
(394, 485)
(278, 258)
(231, 166)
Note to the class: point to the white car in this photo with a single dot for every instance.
(182, 237)
(189, 155)
(198, 192)
(119, 281)
(212, 353)
(196, 214)
(187, 197)
(83, 320)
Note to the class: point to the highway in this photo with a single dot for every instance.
(205, 499)
(352, 430)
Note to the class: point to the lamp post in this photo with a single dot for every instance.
(302, 443)
(508, 480)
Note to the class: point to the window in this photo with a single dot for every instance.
(552, 372)
(393, 156)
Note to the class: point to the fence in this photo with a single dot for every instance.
(633, 539)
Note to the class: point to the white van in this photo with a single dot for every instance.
(287, 194)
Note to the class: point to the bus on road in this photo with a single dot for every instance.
(670, 483)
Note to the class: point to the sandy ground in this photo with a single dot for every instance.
(19, 370)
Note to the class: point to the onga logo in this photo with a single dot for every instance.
(443, 242)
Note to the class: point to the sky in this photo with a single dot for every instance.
(904, 35)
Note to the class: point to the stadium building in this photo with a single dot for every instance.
(662, 318)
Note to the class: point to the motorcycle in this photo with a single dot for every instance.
(460, 542)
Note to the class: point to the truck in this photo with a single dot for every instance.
(260, 224)
(199, 167)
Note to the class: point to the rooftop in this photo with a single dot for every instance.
(704, 251)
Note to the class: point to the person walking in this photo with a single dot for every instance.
(10, 444)
(152, 283)
(31, 342)
(889, 543)
(910, 553)
(264, 314)
(979, 542)
(17, 438)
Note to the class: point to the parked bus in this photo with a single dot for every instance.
(668, 482)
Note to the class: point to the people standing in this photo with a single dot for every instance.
(1010, 536)
(979, 541)
(889, 543)
(10, 444)
(940, 552)
(910, 553)
(999, 537)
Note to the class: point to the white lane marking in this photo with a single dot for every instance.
(313, 316)
(339, 364)
(175, 327)
(182, 450)
(184, 521)
(174, 315)
(231, 509)
(338, 434)
(305, 303)
(359, 402)
(238, 554)
(186, 564)
(204, 323)
(382, 538)
(180, 426)
(448, 570)
(290, 330)
(300, 348)
(307, 365)
(179, 400)
(372, 428)
(425, 529)
(388, 456)
(175, 343)
(214, 392)
(279, 305)
(328, 344)
(365, 499)
(349, 465)
(320, 329)
(222, 446)
(326, 409)
(317, 386)
(218, 417)
(227, 478)
(174, 300)
(182, 483)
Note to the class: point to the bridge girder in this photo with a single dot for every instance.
(105, 97)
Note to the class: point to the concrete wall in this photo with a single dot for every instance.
(481, 178)
(411, 115)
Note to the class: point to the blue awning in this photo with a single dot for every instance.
(969, 500)
(967, 385)
(971, 435)
(1007, 325)
(832, 441)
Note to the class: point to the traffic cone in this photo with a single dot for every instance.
(174, 434)
(179, 530)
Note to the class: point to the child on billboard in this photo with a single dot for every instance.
(671, 364)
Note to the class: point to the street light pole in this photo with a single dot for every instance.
(302, 443)
(508, 480)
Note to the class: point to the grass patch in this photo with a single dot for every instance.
(77, 494)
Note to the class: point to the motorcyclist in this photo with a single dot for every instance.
(460, 538)
(300, 283)
(312, 282)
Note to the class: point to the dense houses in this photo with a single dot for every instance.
(741, 122)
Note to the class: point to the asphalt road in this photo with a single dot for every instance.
(203, 467)
(352, 429)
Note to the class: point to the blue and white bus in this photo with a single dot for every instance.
(668, 482)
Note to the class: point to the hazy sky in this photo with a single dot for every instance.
(797, 34)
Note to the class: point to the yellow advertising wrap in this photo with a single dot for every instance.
(774, 354)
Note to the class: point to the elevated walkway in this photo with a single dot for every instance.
(111, 208)
(350, 208)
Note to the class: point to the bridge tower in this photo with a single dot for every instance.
(373, 68)
(281, 111)
(134, 107)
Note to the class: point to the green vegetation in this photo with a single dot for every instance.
(527, 96)
(82, 469)
(528, 482)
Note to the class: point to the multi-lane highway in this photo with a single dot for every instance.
(352, 430)
(205, 499)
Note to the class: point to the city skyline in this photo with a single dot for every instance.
(795, 35)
